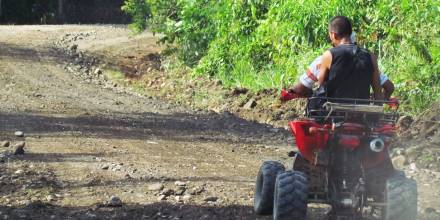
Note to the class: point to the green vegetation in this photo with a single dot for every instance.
(139, 12)
(262, 44)
(114, 75)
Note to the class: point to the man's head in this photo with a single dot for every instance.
(339, 29)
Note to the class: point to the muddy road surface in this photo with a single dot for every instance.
(86, 143)
(96, 152)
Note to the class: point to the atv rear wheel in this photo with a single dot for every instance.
(265, 186)
(291, 195)
(400, 198)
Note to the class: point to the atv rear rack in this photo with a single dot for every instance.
(341, 109)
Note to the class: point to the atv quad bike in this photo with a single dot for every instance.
(343, 161)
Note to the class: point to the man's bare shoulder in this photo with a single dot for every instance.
(325, 67)
(326, 57)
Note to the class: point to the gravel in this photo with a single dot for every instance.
(19, 148)
(19, 134)
(211, 199)
(155, 187)
(180, 183)
(5, 144)
(115, 202)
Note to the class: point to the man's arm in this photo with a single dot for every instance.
(298, 91)
(377, 89)
(325, 67)
(301, 90)
(388, 89)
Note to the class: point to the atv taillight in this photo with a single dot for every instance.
(349, 141)
(351, 128)
(386, 129)
(314, 130)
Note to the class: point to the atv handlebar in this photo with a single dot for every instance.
(287, 95)
(393, 103)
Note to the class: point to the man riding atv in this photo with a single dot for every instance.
(347, 71)
(342, 156)
(308, 80)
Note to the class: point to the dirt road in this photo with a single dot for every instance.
(86, 142)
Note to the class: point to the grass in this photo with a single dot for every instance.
(114, 75)
(267, 44)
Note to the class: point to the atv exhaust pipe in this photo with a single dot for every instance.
(377, 145)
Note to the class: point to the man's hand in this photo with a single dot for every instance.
(287, 95)
(298, 91)
(394, 103)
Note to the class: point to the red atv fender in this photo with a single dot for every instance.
(310, 137)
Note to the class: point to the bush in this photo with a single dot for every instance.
(139, 11)
(262, 44)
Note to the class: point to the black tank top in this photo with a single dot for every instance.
(351, 73)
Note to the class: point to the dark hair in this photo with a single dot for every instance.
(341, 25)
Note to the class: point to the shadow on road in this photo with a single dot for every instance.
(17, 52)
(225, 128)
(159, 210)
(39, 210)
